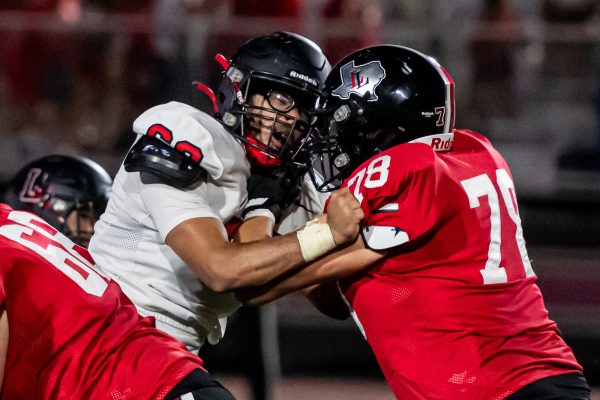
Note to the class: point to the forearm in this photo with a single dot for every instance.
(288, 283)
(339, 264)
(276, 288)
(222, 265)
(202, 243)
(280, 260)
(256, 228)
(256, 263)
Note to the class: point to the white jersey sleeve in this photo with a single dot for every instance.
(168, 206)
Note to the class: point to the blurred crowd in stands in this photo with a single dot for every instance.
(75, 73)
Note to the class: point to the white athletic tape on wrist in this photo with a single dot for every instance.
(315, 240)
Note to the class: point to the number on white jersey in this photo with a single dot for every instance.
(35, 234)
(481, 185)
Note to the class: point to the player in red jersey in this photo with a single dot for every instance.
(439, 281)
(67, 332)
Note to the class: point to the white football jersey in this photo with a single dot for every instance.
(129, 240)
(310, 204)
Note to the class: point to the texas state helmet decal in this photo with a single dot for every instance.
(360, 79)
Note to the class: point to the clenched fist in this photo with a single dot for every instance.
(344, 215)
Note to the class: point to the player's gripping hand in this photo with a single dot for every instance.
(344, 215)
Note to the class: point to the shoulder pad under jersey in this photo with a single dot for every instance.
(190, 131)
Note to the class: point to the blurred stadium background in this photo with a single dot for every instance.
(75, 73)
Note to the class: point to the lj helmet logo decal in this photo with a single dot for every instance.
(360, 79)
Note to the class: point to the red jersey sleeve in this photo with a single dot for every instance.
(395, 189)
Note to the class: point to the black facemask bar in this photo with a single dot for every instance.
(327, 162)
(91, 210)
(85, 210)
(286, 133)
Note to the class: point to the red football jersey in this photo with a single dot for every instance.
(454, 311)
(72, 333)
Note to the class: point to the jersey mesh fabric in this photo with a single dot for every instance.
(127, 239)
(444, 332)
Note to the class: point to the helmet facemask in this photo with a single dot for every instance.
(79, 223)
(327, 162)
(340, 140)
(74, 217)
(272, 120)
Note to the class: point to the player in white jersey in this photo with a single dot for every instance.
(163, 236)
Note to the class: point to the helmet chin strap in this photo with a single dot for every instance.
(222, 61)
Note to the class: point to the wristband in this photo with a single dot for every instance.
(315, 240)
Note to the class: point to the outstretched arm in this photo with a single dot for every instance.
(342, 262)
(222, 265)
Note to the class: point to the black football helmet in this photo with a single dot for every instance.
(376, 98)
(289, 71)
(55, 186)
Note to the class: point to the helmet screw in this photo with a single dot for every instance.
(235, 74)
(341, 113)
(229, 119)
(341, 160)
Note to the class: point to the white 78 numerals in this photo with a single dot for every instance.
(479, 186)
(376, 175)
(376, 172)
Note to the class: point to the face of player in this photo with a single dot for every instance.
(274, 121)
(80, 224)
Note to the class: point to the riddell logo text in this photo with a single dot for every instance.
(440, 144)
(303, 77)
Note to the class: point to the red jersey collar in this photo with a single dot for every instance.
(438, 142)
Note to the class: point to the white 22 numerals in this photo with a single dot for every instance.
(482, 185)
(56, 248)
(376, 173)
